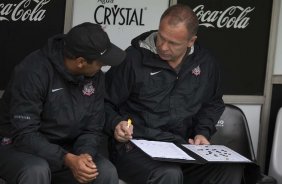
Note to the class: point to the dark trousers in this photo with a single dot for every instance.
(135, 167)
(22, 168)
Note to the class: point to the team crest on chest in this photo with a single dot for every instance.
(196, 71)
(88, 89)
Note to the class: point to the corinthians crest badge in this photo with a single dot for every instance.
(196, 71)
(88, 89)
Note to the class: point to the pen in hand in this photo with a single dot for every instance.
(129, 122)
(129, 128)
(124, 131)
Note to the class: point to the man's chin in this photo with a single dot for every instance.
(163, 57)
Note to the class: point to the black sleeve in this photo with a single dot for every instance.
(28, 91)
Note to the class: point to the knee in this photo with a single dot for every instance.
(231, 173)
(107, 172)
(109, 169)
(173, 172)
(168, 175)
(38, 168)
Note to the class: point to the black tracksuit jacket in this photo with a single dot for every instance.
(164, 105)
(45, 111)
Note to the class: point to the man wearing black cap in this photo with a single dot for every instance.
(52, 112)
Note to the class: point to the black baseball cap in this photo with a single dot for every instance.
(90, 41)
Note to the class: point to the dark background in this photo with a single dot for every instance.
(19, 38)
(242, 53)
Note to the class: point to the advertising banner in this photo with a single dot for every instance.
(121, 19)
(237, 32)
(25, 25)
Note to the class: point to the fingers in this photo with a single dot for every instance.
(123, 132)
(89, 161)
(125, 129)
(90, 164)
(190, 141)
(120, 138)
(84, 169)
(205, 142)
(86, 177)
(199, 140)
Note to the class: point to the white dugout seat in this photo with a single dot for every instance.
(275, 165)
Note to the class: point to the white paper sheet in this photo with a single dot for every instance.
(216, 153)
(157, 149)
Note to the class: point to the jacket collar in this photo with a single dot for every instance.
(147, 43)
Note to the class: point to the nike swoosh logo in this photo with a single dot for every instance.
(154, 73)
(54, 90)
(101, 53)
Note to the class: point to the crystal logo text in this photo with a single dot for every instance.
(117, 15)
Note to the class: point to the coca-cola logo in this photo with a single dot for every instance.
(115, 15)
(26, 10)
(232, 17)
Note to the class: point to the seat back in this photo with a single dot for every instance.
(275, 165)
(233, 132)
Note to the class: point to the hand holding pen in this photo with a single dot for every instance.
(129, 122)
(123, 131)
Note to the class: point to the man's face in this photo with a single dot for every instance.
(90, 69)
(173, 40)
(79, 66)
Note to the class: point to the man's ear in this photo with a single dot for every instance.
(192, 41)
(80, 62)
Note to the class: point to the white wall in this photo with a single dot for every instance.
(252, 113)
(278, 52)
